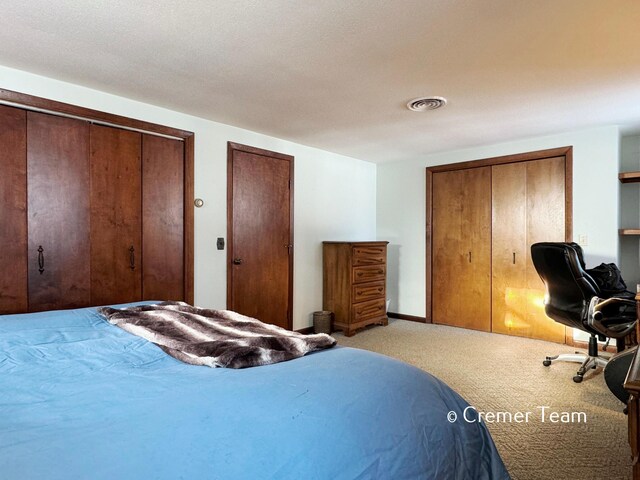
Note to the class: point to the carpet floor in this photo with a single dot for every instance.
(499, 373)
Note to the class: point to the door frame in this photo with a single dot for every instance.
(566, 152)
(232, 147)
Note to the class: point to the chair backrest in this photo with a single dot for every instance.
(569, 287)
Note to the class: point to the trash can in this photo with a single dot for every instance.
(322, 321)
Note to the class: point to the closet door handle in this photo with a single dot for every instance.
(132, 258)
(514, 258)
(469, 257)
(41, 259)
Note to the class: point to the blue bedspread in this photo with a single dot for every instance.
(82, 399)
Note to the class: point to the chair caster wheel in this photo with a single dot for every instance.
(546, 363)
(577, 378)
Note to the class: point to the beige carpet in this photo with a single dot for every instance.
(498, 373)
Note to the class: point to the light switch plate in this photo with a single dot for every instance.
(583, 240)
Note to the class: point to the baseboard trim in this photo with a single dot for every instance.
(305, 331)
(411, 318)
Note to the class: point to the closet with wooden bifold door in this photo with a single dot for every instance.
(92, 214)
(483, 221)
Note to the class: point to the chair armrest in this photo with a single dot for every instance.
(612, 301)
(624, 319)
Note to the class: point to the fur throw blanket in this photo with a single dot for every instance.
(216, 338)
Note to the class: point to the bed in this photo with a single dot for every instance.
(82, 399)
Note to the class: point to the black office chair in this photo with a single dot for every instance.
(575, 300)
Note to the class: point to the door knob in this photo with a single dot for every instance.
(237, 261)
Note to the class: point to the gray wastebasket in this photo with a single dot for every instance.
(322, 321)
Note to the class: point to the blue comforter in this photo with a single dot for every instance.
(82, 399)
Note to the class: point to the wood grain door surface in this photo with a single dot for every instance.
(162, 218)
(116, 215)
(58, 182)
(260, 252)
(484, 221)
(528, 207)
(461, 283)
(74, 207)
(13, 210)
(545, 223)
(509, 247)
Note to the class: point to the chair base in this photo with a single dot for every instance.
(588, 361)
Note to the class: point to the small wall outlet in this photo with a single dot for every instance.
(583, 240)
(220, 243)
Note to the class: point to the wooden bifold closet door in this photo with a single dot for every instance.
(90, 214)
(58, 212)
(484, 221)
(116, 215)
(462, 248)
(13, 212)
(137, 240)
(163, 218)
(528, 207)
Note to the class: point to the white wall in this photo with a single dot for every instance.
(335, 196)
(401, 205)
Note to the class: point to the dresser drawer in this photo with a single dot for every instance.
(373, 255)
(369, 274)
(368, 291)
(372, 308)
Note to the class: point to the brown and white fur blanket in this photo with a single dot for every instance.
(216, 338)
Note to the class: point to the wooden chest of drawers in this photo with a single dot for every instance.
(354, 284)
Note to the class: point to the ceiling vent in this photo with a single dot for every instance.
(423, 104)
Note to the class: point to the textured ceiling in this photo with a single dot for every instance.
(336, 75)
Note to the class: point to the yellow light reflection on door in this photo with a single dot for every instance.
(520, 304)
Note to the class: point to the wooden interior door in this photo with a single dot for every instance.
(162, 218)
(461, 248)
(116, 215)
(260, 255)
(528, 207)
(13, 214)
(58, 216)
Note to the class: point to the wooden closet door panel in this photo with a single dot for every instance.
(13, 210)
(545, 223)
(162, 218)
(116, 220)
(476, 293)
(509, 249)
(448, 265)
(58, 214)
(462, 248)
